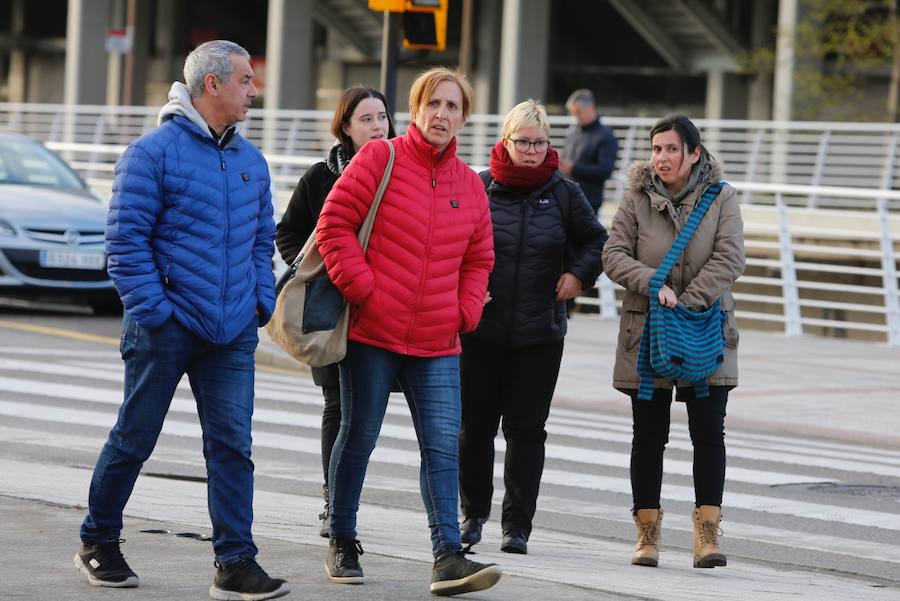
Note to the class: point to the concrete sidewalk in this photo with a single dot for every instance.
(812, 386)
(173, 565)
(42, 511)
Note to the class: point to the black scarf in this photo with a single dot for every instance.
(337, 159)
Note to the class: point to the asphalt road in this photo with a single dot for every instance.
(807, 515)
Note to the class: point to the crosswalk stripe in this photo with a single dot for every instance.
(387, 454)
(606, 428)
(548, 503)
(407, 433)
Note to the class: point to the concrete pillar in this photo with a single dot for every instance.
(783, 95)
(759, 96)
(290, 72)
(85, 80)
(486, 72)
(523, 51)
(715, 94)
(134, 84)
(17, 80)
(114, 60)
(784, 60)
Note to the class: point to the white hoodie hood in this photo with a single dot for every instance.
(180, 104)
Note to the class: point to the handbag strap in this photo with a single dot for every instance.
(366, 230)
(668, 262)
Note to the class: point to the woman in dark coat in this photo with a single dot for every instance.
(360, 116)
(548, 245)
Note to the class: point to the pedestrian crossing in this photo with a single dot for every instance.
(67, 400)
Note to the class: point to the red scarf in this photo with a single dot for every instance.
(521, 178)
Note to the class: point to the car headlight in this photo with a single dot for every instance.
(6, 228)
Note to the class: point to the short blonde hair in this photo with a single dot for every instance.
(530, 113)
(427, 82)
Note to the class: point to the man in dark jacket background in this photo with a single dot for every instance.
(589, 156)
(189, 237)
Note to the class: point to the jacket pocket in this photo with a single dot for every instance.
(634, 313)
(732, 335)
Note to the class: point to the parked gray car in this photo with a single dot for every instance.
(51, 228)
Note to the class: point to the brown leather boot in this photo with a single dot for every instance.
(706, 537)
(649, 535)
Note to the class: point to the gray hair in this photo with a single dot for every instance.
(582, 96)
(210, 57)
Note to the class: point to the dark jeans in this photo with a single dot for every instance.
(221, 378)
(706, 422)
(517, 385)
(431, 386)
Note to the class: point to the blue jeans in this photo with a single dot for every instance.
(221, 378)
(431, 386)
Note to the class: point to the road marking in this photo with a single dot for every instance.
(592, 562)
(27, 327)
(581, 455)
(389, 455)
(289, 471)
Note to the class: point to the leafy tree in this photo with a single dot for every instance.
(840, 46)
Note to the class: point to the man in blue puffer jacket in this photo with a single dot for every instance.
(190, 240)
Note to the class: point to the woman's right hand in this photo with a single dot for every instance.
(667, 297)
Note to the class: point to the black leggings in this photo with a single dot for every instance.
(331, 423)
(706, 422)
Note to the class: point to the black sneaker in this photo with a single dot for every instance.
(104, 565)
(245, 581)
(342, 562)
(453, 574)
(470, 531)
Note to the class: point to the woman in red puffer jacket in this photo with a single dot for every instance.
(421, 282)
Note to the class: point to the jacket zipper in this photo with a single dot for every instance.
(519, 250)
(224, 246)
(412, 320)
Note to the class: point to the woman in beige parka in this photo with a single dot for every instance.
(661, 194)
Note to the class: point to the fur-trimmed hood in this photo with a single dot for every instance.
(640, 175)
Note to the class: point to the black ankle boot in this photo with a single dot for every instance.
(325, 516)
(514, 541)
(470, 531)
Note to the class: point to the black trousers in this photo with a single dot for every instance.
(515, 385)
(706, 422)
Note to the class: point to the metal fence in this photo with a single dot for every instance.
(856, 155)
(821, 240)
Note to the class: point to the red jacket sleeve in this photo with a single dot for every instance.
(477, 263)
(343, 213)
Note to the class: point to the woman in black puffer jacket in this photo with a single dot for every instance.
(547, 245)
(360, 116)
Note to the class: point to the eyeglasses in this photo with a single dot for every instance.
(540, 146)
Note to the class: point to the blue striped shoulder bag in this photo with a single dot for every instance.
(677, 343)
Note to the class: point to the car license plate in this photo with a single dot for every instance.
(68, 259)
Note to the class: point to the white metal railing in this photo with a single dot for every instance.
(813, 269)
(857, 155)
(821, 258)
(809, 268)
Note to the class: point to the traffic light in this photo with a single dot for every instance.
(424, 21)
(425, 25)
